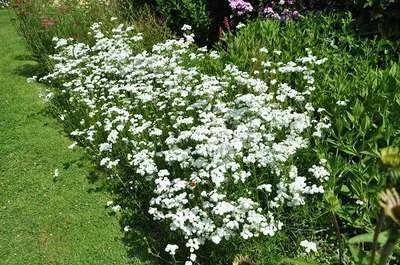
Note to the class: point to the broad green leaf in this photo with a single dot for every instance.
(344, 189)
(368, 238)
(359, 256)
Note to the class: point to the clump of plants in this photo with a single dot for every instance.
(180, 12)
(200, 146)
(38, 21)
(364, 120)
(378, 247)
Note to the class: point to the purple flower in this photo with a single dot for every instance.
(269, 12)
(241, 7)
(279, 10)
(296, 14)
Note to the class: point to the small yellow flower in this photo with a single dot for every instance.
(390, 156)
(243, 260)
(390, 202)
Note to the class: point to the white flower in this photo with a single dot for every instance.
(309, 246)
(171, 249)
(265, 187)
(360, 202)
(60, 43)
(109, 203)
(214, 55)
(72, 146)
(342, 102)
(31, 79)
(319, 172)
(56, 173)
(116, 208)
(240, 25)
(216, 239)
(186, 27)
(163, 173)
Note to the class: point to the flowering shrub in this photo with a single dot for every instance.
(218, 152)
(276, 9)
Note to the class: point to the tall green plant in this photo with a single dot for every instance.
(39, 21)
(358, 89)
(190, 12)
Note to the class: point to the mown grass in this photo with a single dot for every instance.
(45, 220)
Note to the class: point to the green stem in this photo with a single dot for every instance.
(338, 236)
(378, 229)
(387, 249)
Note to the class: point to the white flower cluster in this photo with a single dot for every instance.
(4, 3)
(309, 246)
(212, 146)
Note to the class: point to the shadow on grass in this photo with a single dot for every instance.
(140, 231)
(146, 239)
(144, 233)
(24, 57)
(30, 69)
(98, 181)
(76, 162)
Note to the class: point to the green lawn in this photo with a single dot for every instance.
(44, 221)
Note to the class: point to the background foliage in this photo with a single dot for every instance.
(41, 20)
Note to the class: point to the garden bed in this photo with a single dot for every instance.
(267, 143)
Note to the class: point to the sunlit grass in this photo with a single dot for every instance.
(44, 220)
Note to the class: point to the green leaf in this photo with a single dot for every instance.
(368, 238)
(344, 189)
(359, 256)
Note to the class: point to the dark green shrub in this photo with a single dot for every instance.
(190, 12)
(373, 17)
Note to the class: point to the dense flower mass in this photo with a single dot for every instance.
(241, 6)
(276, 9)
(218, 149)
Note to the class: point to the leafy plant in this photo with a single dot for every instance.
(214, 165)
(39, 21)
(191, 12)
(357, 88)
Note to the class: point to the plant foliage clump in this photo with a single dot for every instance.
(212, 156)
